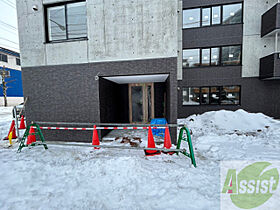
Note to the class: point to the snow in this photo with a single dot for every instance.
(70, 177)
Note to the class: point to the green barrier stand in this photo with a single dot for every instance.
(188, 139)
(26, 133)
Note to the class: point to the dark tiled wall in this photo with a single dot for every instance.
(70, 93)
(256, 96)
(160, 90)
(213, 36)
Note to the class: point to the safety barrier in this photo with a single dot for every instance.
(30, 131)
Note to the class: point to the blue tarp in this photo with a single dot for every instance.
(158, 121)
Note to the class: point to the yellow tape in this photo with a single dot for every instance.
(10, 138)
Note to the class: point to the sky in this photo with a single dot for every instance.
(9, 25)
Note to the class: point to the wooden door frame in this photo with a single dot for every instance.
(144, 100)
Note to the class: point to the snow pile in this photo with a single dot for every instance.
(71, 177)
(224, 121)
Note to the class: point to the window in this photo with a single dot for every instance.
(216, 15)
(232, 13)
(231, 55)
(191, 96)
(222, 14)
(18, 61)
(191, 58)
(4, 58)
(191, 18)
(205, 53)
(66, 21)
(205, 95)
(215, 56)
(230, 95)
(215, 95)
(206, 13)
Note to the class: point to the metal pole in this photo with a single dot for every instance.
(16, 119)
(116, 147)
(276, 42)
(108, 124)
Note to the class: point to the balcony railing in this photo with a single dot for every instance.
(271, 21)
(270, 67)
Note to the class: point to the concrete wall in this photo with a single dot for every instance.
(255, 47)
(117, 30)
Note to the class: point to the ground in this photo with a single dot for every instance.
(65, 177)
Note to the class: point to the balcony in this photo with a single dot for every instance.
(271, 21)
(270, 67)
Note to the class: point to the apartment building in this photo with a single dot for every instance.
(10, 63)
(230, 57)
(131, 61)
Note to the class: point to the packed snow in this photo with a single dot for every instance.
(71, 177)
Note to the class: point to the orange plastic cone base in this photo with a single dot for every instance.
(151, 144)
(31, 136)
(95, 139)
(22, 123)
(12, 128)
(167, 141)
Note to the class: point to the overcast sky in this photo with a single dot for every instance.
(8, 25)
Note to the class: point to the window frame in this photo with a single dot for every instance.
(6, 60)
(46, 22)
(211, 12)
(220, 56)
(198, 96)
(18, 63)
(220, 87)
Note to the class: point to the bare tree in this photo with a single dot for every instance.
(3, 83)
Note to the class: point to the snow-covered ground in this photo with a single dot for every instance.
(81, 178)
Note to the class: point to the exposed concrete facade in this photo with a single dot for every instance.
(139, 37)
(117, 30)
(254, 46)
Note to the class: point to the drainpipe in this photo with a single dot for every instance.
(276, 42)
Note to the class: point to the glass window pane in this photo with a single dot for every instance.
(18, 61)
(191, 58)
(214, 95)
(191, 96)
(56, 23)
(4, 58)
(137, 103)
(77, 20)
(215, 56)
(230, 95)
(231, 55)
(216, 15)
(206, 17)
(205, 61)
(205, 95)
(191, 18)
(232, 13)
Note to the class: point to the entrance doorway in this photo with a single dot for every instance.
(141, 102)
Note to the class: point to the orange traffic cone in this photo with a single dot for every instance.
(13, 130)
(151, 144)
(31, 136)
(167, 141)
(22, 124)
(95, 139)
